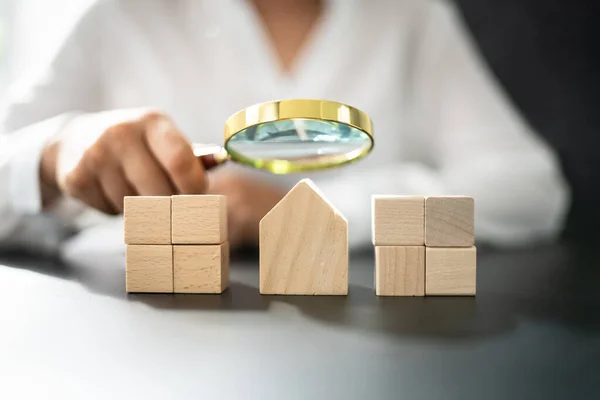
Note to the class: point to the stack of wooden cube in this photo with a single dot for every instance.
(424, 245)
(176, 244)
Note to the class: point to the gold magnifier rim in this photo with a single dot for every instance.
(311, 109)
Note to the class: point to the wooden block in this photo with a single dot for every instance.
(147, 219)
(400, 270)
(304, 246)
(450, 271)
(398, 220)
(149, 268)
(449, 221)
(201, 268)
(199, 219)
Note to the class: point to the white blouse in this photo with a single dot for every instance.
(442, 123)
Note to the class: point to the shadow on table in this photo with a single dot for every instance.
(238, 297)
(451, 317)
(104, 275)
(550, 285)
(49, 266)
(555, 285)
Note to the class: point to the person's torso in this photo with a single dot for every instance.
(201, 61)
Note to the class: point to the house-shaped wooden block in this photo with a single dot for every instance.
(304, 245)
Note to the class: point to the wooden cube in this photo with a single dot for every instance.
(449, 221)
(450, 271)
(149, 268)
(199, 219)
(400, 270)
(398, 220)
(201, 268)
(147, 219)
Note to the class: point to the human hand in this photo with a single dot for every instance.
(248, 201)
(100, 158)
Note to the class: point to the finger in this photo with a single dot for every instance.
(209, 161)
(85, 187)
(175, 155)
(140, 168)
(105, 165)
(115, 187)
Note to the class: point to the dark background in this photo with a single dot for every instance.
(545, 54)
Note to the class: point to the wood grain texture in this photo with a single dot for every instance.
(398, 220)
(400, 270)
(199, 219)
(449, 221)
(201, 268)
(147, 219)
(149, 268)
(450, 271)
(304, 246)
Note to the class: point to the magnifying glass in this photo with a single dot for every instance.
(294, 135)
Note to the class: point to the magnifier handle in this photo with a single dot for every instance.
(211, 155)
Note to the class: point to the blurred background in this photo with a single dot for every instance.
(543, 52)
(31, 30)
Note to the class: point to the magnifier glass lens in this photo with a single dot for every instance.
(303, 141)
